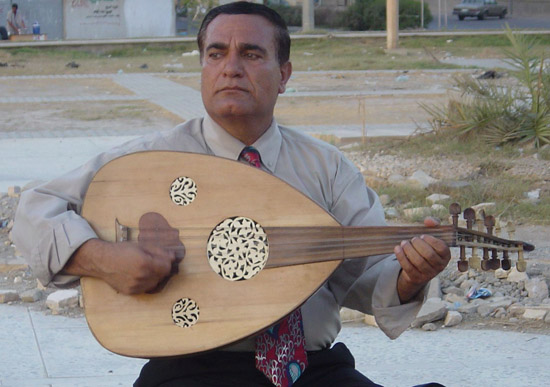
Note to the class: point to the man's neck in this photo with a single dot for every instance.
(245, 130)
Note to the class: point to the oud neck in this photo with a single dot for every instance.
(299, 245)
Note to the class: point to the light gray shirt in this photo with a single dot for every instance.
(48, 228)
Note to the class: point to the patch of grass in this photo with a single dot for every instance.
(135, 111)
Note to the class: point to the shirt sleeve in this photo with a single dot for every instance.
(368, 285)
(48, 227)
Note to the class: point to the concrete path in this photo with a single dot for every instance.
(43, 155)
(43, 350)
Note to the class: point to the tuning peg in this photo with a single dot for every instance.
(505, 262)
(463, 266)
(489, 222)
(454, 210)
(470, 216)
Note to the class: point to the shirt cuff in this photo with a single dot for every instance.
(392, 317)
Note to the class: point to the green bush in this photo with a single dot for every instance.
(371, 15)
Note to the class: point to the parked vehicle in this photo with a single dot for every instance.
(480, 9)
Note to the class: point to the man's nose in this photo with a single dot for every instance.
(233, 65)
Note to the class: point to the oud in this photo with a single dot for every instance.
(239, 243)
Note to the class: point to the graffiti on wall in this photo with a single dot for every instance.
(99, 12)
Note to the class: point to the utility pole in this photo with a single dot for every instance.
(392, 23)
(308, 16)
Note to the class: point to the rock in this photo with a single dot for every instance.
(396, 178)
(434, 289)
(14, 191)
(537, 288)
(535, 314)
(454, 298)
(470, 307)
(347, 315)
(501, 273)
(434, 309)
(428, 327)
(60, 299)
(437, 198)
(391, 212)
(438, 207)
(370, 320)
(491, 305)
(421, 179)
(484, 206)
(32, 295)
(453, 290)
(8, 296)
(416, 212)
(517, 276)
(452, 318)
(385, 199)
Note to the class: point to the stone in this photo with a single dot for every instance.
(8, 296)
(39, 285)
(434, 289)
(453, 290)
(396, 178)
(501, 273)
(438, 207)
(391, 212)
(535, 314)
(437, 198)
(491, 305)
(385, 199)
(470, 307)
(454, 298)
(417, 212)
(14, 191)
(370, 320)
(67, 298)
(429, 327)
(434, 309)
(421, 179)
(452, 318)
(348, 315)
(537, 288)
(517, 276)
(484, 207)
(32, 295)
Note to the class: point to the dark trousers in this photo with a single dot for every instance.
(330, 367)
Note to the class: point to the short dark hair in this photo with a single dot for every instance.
(282, 38)
(14, 5)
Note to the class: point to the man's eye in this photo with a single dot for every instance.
(214, 55)
(251, 55)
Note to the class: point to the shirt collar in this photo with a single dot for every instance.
(222, 144)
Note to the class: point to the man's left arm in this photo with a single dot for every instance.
(380, 285)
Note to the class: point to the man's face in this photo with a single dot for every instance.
(241, 76)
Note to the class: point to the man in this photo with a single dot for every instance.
(15, 21)
(244, 52)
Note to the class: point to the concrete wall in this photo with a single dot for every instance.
(48, 13)
(106, 19)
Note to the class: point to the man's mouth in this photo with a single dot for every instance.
(233, 88)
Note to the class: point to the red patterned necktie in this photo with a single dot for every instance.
(280, 351)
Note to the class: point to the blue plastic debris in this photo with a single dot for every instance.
(476, 292)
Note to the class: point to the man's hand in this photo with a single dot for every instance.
(126, 266)
(421, 259)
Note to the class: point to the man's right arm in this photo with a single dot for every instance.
(127, 267)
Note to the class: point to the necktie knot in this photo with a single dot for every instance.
(251, 156)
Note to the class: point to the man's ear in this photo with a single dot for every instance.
(286, 72)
